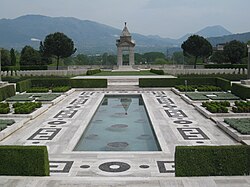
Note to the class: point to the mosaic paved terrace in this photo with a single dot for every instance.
(59, 128)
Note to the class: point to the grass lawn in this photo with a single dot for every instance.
(121, 73)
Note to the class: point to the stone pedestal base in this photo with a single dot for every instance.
(247, 82)
(124, 68)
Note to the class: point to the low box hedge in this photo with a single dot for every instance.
(225, 66)
(7, 91)
(241, 107)
(24, 85)
(26, 108)
(50, 82)
(40, 67)
(37, 90)
(242, 125)
(216, 107)
(157, 71)
(223, 84)
(241, 91)
(61, 89)
(88, 83)
(212, 160)
(24, 161)
(93, 71)
(171, 82)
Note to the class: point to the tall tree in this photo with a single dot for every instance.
(235, 51)
(30, 56)
(5, 57)
(197, 46)
(12, 57)
(58, 45)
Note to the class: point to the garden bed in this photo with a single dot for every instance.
(42, 97)
(213, 96)
(242, 125)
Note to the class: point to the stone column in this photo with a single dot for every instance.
(119, 56)
(248, 67)
(131, 56)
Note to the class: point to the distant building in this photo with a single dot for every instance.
(220, 47)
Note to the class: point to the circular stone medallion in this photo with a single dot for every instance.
(57, 122)
(183, 122)
(114, 167)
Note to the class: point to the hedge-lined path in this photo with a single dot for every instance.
(174, 121)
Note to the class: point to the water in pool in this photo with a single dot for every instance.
(120, 123)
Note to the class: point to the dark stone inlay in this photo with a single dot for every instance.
(159, 101)
(144, 166)
(45, 134)
(114, 167)
(192, 134)
(73, 101)
(35, 142)
(75, 106)
(175, 113)
(162, 166)
(183, 122)
(199, 142)
(84, 166)
(52, 126)
(171, 101)
(56, 122)
(66, 166)
(66, 114)
(84, 101)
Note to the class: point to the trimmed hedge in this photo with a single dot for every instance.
(212, 160)
(225, 66)
(223, 84)
(61, 89)
(88, 83)
(37, 90)
(26, 108)
(50, 82)
(24, 160)
(241, 91)
(23, 85)
(40, 67)
(171, 82)
(216, 107)
(231, 77)
(93, 71)
(157, 71)
(7, 91)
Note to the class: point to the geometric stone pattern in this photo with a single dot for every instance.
(66, 114)
(175, 113)
(114, 167)
(192, 134)
(166, 166)
(60, 166)
(45, 134)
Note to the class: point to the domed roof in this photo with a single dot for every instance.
(125, 31)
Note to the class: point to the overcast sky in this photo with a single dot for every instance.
(167, 18)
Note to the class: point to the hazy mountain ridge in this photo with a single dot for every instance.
(88, 36)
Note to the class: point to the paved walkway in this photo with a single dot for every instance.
(174, 122)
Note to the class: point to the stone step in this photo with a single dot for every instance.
(123, 87)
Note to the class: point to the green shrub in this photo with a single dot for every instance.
(212, 160)
(23, 85)
(225, 66)
(157, 71)
(40, 67)
(37, 90)
(216, 107)
(50, 82)
(88, 83)
(172, 82)
(223, 84)
(24, 160)
(61, 89)
(4, 110)
(26, 108)
(230, 77)
(93, 71)
(241, 91)
(241, 107)
(7, 91)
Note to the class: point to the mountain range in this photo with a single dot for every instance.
(92, 37)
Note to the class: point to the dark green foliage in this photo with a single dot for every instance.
(93, 71)
(219, 57)
(7, 91)
(23, 85)
(157, 71)
(201, 88)
(37, 90)
(241, 107)
(45, 97)
(40, 67)
(239, 124)
(225, 66)
(235, 51)
(231, 77)
(172, 82)
(150, 57)
(223, 84)
(59, 45)
(197, 46)
(4, 123)
(5, 57)
(20, 97)
(12, 57)
(24, 160)
(241, 91)
(61, 89)
(212, 160)
(50, 82)
(30, 56)
(26, 108)
(216, 107)
(4, 108)
(88, 83)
